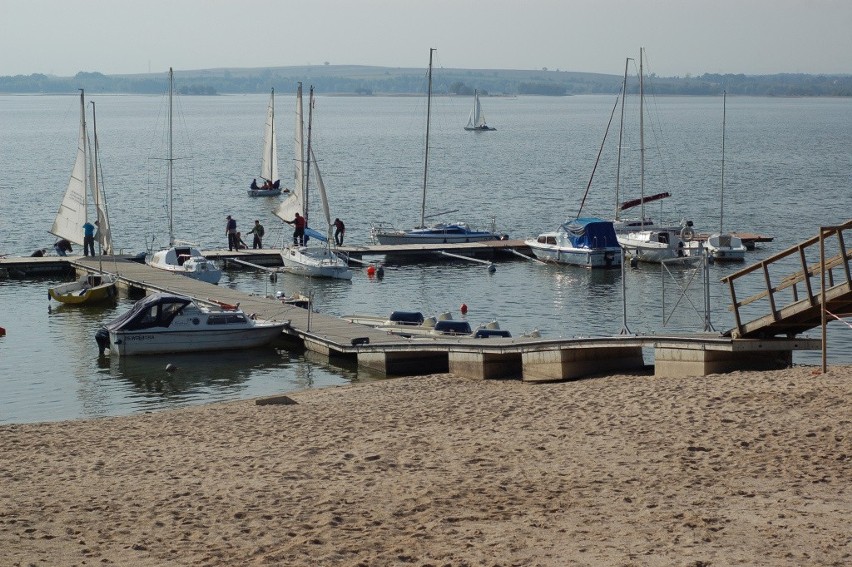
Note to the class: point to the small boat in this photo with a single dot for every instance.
(90, 288)
(181, 258)
(384, 233)
(85, 183)
(722, 246)
(654, 246)
(269, 158)
(311, 260)
(476, 120)
(412, 324)
(589, 242)
(166, 323)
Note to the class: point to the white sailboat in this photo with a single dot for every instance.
(476, 120)
(440, 233)
(181, 258)
(724, 246)
(73, 214)
(269, 157)
(312, 260)
(653, 244)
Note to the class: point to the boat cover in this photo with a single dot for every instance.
(590, 232)
(155, 310)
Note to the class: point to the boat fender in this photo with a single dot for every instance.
(687, 234)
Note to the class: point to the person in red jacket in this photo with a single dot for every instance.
(299, 223)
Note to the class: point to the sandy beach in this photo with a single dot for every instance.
(748, 468)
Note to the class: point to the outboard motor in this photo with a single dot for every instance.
(102, 338)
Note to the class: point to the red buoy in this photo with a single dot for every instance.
(464, 308)
(371, 271)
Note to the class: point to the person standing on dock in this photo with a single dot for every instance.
(299, 224)
(231, 231)
(257, 231)
(339, 231)
(88, 239)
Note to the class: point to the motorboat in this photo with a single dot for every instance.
(168, 323)
(412, 324)
(654, 246)
(588, 242)
(89, 288)
(187, 261)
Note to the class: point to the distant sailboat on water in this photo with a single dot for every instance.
(476, 121)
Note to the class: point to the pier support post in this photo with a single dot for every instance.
(566, 364)
(416, 363)
(678, 362)
(485, 366)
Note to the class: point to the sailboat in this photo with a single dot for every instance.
(314, 260)
(181, 258)
(269, 157)
(476, 121)
(653, 244)
(441, 233)
(724, 246)
(73, 213)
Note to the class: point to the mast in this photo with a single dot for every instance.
(308, 156)
(96, 184)
(272, 137)
(620, 138)
(170, 173)
(642, 138)
(85, 156)
(428, 120)
(722, 191)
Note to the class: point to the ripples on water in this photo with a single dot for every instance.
(786, 168)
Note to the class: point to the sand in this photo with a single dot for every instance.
(749, 468)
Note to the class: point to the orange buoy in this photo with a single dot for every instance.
(371, 270)
(464, 308)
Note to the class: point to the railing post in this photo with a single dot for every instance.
(769, 290)
(822, 296)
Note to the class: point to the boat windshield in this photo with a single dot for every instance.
(157, 310)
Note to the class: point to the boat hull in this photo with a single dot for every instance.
(583, 257)
(263, 192)
(131, 343)
(648, 246)
(85, 290)
(319, 262)
(187, 262)
(725, 248)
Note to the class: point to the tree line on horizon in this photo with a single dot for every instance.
(357, 80)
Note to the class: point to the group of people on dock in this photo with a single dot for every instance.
(235, 240)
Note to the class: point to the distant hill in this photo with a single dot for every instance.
(366, 80)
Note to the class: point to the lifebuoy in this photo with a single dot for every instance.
(687, 234)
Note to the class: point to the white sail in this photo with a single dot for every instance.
(321, 189)
(476, 119)
(104, 235)
(269, 160)
(295, 202)
(72, 211)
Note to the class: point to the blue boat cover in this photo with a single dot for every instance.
(590, 232)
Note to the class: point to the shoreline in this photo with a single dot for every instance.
(746, 467)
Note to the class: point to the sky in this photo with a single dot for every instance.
(681, 37)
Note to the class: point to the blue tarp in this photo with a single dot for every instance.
(311, 233)
(590, 232)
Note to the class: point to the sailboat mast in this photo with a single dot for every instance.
(722, 191)
(308, 157)
(620, 138)
(85, 155)
(272, 137)
(96, 183)
(642, 138)
(428, 121)
(170, 173)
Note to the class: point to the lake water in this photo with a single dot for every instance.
(787, 171)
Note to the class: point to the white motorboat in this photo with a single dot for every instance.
(385, 233)
(412, 324)
(180, 258)
(588, 242)
(653, 246)
(166, 323)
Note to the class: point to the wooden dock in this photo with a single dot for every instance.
(531, 359)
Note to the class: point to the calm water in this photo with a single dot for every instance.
(787, 171)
